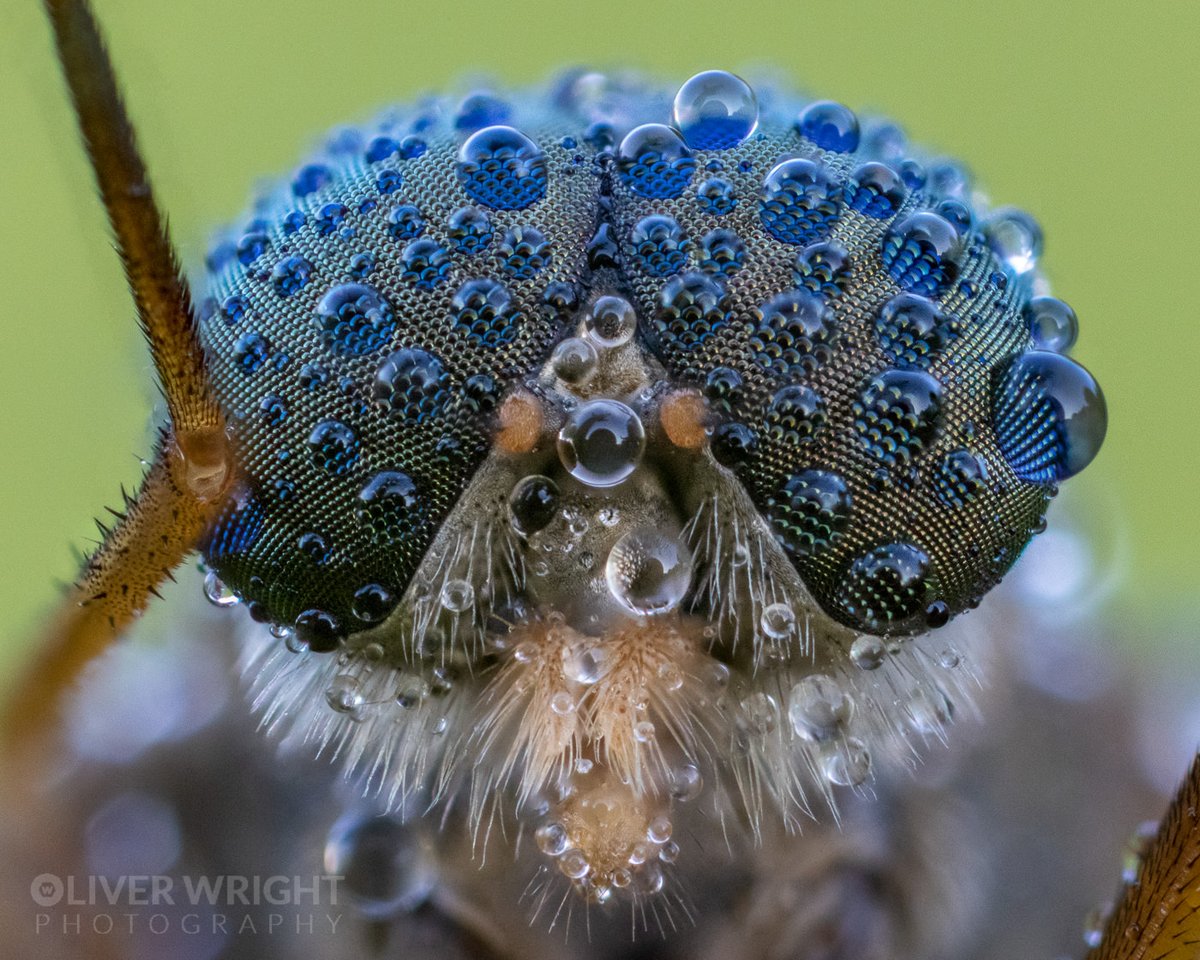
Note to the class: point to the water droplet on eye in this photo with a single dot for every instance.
(469, 230)
(648, 571)
(778, 621)
(961, 477)
(291, 275)
(1053, 325)
(217, 593)
(481, 110)
(722, 252)
(310, 179)
(715, 110)
(502, 168)
(830, 125)
(716, 196)
(810, 512)
(897, 415)
(457, 596)
(251, 351)
(885, 586)
(426, 264)
(800, 203)
(792, 334)
(876, 190)
(847, 764)
(388, 506)
(912, 330)
(823, 268)
(318, 630)
(574, 361)
(525, 251)
(611, 322)
(344, 695)
(551, 839)
(919, 254)
(482, 310)
(354, 319)
(658, 245)
(796, 415)
(252, 246)
(372, 602)
(601, 443)
(1050, 417)
(412, 386)
(533, 504)
(334, 447)
(654, 162)
(380, 862)
(686, 783)
(867, 653)
(1016, 238)
(818, 708)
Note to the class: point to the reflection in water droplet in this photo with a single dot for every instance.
(217, 593)
(867, 653)
(648, 571)
(830, 126)
(381, 863)
(532, 504)
(601, 443)
(457, 596)
(574, 361)
(654, 162)
(1053, 325)
(715, 110)
(818, 708)
(611, 322)
(847, 764)
(1016, 237)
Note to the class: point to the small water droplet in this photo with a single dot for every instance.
(457, 596)
(1052, 323)
(648, 571)
(601, 443)
(574, 361)
(818, 708)
(867, 653)
(217, 593)
(611, 322)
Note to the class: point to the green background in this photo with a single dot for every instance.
(1085, 114)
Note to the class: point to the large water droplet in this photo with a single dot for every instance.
(1050, 416)
(502, 168)
(876, 190)
(885, 587)
(897, 415)
(574, 361)
(354, 319)
(411, 385)
(654, 162)
(344, 695)
(648, 571)
(810, 511)
(919, 253)
(601, 443)
(830, 126)
(715, 110)
(380, 863)
(800, 203)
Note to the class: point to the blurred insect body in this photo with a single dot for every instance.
(592, 453)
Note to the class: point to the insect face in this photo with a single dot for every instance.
(582, 451)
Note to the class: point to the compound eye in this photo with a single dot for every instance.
(374, 322)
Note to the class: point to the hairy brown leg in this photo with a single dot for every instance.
(192, 470)
(1158, 917)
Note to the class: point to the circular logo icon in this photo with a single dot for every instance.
(46, 890)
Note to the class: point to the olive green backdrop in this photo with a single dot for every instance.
(1086, 114)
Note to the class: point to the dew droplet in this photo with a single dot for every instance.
(847, 764)
(574, 361)
(654, 162)
(648, 571)
(1016, 238)
(562, 703)
(1053, 325)
(658, 830)
(344, 695)
(818, 708)
(353, 319)
(830, 125)
(502, 168)
(686, 782)
(1050, 417)
(551, 839)
(611, 322)
(457, 596)
(574, 865)
(217, 593)
(867, 653)
(778, 621)
(800, 203)
(715, 110)
(643, 731)
(601, 443)
(532, 504)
